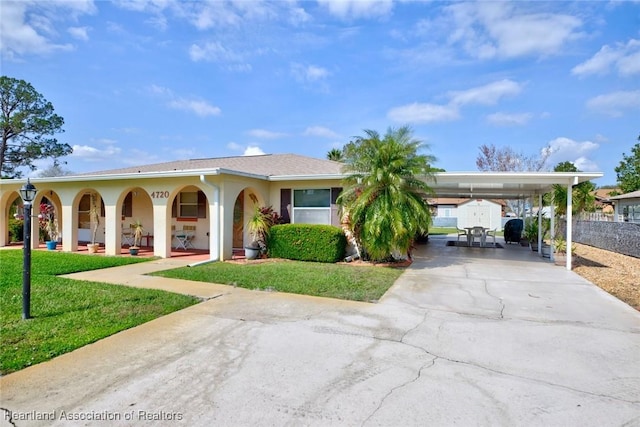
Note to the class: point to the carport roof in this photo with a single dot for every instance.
(504, 185)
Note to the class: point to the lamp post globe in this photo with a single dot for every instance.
(28, 193)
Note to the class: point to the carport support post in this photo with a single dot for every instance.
(552, 231)
(569, 237)
(540, 225)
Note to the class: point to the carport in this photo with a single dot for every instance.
(514, 186)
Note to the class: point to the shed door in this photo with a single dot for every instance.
(479, 215)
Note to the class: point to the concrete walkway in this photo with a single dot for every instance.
(466, 336)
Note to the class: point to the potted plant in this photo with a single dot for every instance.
(531, 233)
(52, 232)
(48, 226)
(560, 248)
(138, 229)
(94, 217)
(258, 228)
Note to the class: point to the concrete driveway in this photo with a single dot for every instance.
(465, 337)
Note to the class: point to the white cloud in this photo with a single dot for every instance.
(249, 150)
(216, 52)
(234, 146)
(89, 153)
(321, 132)
(198, 106)
(488, 30)
(265, 134)
(488, 94)
(354, 9)
(614, 104)
(625, 58)
(31, 28)
(79, 33)
(298, 16)
(506, 119)
(253, 150)
(423, 113)
(568, 150)
(308, 73)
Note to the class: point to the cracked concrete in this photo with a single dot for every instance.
(464, 337)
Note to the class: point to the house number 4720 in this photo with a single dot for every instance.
(160, 194)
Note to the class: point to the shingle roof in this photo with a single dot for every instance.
(632, 195)
(267, 164)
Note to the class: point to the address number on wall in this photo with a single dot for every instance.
(160, 194)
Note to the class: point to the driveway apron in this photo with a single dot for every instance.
(466, 336)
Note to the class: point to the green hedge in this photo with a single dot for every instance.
(16, 230)
(307, 242)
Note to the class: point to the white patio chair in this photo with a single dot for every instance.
(128, 236)
(491, 233)
(462, 232)
(185, 237)
(479, 233)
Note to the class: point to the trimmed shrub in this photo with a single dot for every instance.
(16, 230)
(307, 242)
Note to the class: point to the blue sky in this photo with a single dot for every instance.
(150, 81)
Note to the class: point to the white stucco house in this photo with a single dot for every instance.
(211, 197)
(626, 207)
(214, 198)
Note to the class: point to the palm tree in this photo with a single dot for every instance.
(335, 155)
(384, 196)
(582, 195)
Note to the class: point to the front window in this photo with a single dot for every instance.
(312, 206)
(188, 204)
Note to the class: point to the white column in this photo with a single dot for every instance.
(552, 231)
(111, 230)
(69, 228)
(161, 229)
(569, 236)
(540, 225)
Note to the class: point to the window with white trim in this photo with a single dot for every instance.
(312, 206)
(188, 204)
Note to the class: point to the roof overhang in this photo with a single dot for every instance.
(490, 185)
(504, 185)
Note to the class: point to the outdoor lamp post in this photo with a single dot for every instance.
(28, 193)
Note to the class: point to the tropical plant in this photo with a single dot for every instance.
(532, 229)
(259, 225)
(384, 196)
(47, 223)
(583, 198)
(94, 217)
(138, 230)
(560, 245)
(335, 154)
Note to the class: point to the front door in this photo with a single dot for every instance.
(238, 226)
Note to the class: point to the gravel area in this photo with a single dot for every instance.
(615, 273)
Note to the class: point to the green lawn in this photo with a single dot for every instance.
(68, 314)
(437, 231)
(343, 281)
